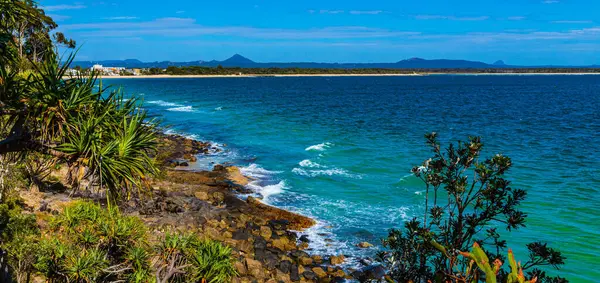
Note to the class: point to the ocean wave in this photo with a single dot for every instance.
(218, 108)
(309, 163)
(164, 103)
(325, 172)
(266, 191)
(181, 109)
(319, 147)
(186, 135)
(256, 171)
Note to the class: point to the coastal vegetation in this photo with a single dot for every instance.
(467, 201)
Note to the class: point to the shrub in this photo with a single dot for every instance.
(186, 258)
(466, 201)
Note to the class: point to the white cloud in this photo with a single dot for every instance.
(186, 27)
(451, 18)
(59, 17)
(516, 18)
(120, 18)
(63, 7)
(571, 22)
(371, 12)
(331, 11)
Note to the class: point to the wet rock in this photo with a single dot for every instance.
(339, 273)
(183, 164)
(337, 260)
(294, 274)
(372, 272)
(319, 272)
(303, 246)
(304, 238)
(364, 245)
(296, 254)
(309, 275)
(366, 262)
(285, 266)
(317, 259)
(279, 224)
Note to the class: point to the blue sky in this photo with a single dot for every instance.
(526, 32)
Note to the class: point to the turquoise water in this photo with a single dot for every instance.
(340, 149)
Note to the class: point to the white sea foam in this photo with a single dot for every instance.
(266, 191)
(186, 135)
(164, 103)
(181, 109)
(309, 163)
(319, 147)
(218, 108)
(256, 171)
(325, 172)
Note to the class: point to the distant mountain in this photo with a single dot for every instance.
(499, 63)
(241, 61)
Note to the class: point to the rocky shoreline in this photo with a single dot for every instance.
(264, 238)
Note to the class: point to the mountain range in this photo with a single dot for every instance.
(243, 62)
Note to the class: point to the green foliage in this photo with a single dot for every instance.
(19, 239)
(104, 138)
(89, 244)
(86, 243)
(96, 134)
(466, 201)
(186, 258)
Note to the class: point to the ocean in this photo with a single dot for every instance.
(340, 149)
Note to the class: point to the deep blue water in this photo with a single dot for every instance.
(340, 149)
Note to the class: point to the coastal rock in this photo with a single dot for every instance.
(364, 245)
(303, 246)
(241, 268)
(282, 277)
(294, 273)
(285, 266)
(337, 260)
(295, 221)
(283, 244)
(296, 254)
(339, 273)
(319, 272)
(266, 232)
(372, 272)
(240, 235)
(255, 268)
(317, 259)
(304, 238)
(305, 261)
(235, 175)
(309, 275)
(201, 195)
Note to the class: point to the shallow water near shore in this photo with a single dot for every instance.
(340, 149)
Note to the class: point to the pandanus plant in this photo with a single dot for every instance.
(479, 262)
